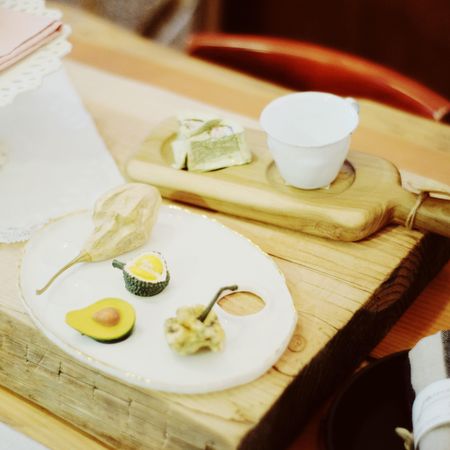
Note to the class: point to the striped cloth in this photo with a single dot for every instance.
(430, 362)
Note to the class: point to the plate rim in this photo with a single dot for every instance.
(137, 380)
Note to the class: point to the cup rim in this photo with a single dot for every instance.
(263, 119)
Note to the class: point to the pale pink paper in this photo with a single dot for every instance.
(22, 33)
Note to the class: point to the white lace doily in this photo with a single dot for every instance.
(54, 160)
(28, 73)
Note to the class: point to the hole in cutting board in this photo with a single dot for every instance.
(242, 303)
(343, 181)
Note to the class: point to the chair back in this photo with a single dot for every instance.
(304, 66)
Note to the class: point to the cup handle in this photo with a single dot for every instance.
(354, 104)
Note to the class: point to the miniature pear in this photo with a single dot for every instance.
(123, 220)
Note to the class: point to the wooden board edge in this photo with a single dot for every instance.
(116, 414)
(339, 358)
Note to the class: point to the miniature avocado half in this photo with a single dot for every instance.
(108, 320)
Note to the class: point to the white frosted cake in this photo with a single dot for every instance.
(205, 142)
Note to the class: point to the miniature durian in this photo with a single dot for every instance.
(146, 275)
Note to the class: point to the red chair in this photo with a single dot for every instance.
(303, 66)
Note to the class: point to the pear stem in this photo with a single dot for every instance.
(202, 317)
(82, 257)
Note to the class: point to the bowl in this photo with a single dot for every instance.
(367, 410)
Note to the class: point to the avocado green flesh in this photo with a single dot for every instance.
(82, 320)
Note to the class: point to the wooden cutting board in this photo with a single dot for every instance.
(366, 195)
(347, 295)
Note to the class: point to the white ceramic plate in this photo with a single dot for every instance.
(202, 256)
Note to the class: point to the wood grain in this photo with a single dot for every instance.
(347, 296)
(366, 195)
(411, 143)
(320, 353)
(37, 423)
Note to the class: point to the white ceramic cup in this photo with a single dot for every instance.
(309, 136)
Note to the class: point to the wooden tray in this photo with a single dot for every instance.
(347, 295)
(366, 195)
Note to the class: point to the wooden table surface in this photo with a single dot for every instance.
(413, 144)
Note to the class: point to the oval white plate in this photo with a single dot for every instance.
(202, 256)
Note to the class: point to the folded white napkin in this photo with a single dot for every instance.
(22, 33)
(430, 379)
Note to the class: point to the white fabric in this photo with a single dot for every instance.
(13, 440)
(431, 408)
(427, 367)
(54, 160)
(427, 362)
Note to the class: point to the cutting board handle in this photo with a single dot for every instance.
(433, 214)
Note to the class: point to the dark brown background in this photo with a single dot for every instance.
(411, 36)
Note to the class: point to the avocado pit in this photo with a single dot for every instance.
(107, 316)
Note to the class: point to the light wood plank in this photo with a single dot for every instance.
(412, 143)
(340, 290)
(39, 424)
